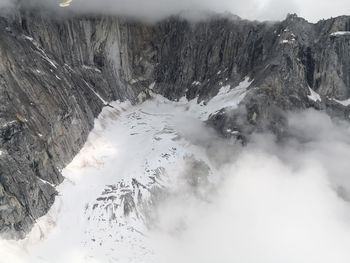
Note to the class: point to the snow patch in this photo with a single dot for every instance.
(92, 68)
(29, 38)
(8, 124)
(230, 131)
(69, 67)
(341, 33)
(46, 182)
(151, 87)
(226, 97)
(133, 81)
(43, 53)
(314, 96)
(97, 95)
(343, 102)
(285, 41)
(66, 3)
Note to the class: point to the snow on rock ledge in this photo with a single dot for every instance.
(340, 33)
(314, 96)
(343, 102)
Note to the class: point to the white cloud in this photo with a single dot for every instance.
(270, 203)
(6, 3)
(278, 203)
(312, 10)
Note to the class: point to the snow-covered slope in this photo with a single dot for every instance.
(154, 184)
(134, 158)
(63, 71)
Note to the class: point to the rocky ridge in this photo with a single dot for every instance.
(57, 73)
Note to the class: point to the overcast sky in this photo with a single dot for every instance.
(312, 10)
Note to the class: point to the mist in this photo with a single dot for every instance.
(274, 202)
(158, 9)
(269, 202)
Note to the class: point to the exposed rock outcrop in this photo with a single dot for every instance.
(56, 74)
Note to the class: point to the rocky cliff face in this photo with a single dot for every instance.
(57, 73)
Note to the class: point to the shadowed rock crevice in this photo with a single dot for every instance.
(57, 73)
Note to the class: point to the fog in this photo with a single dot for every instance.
(275, 202)
(267, 202)
(250, 9)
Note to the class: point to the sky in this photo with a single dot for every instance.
(312, 10)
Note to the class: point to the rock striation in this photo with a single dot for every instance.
(57, 73)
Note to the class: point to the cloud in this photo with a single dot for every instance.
(6, 3)
(316, 10)
(154, 9)
(279, 202)
(269, 202)
(249, 9)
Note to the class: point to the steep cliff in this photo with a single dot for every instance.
(57, 73)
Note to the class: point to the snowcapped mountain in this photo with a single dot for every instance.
(122, 141)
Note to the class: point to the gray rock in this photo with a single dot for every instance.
(56, 74)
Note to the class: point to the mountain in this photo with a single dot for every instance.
(58, 73)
